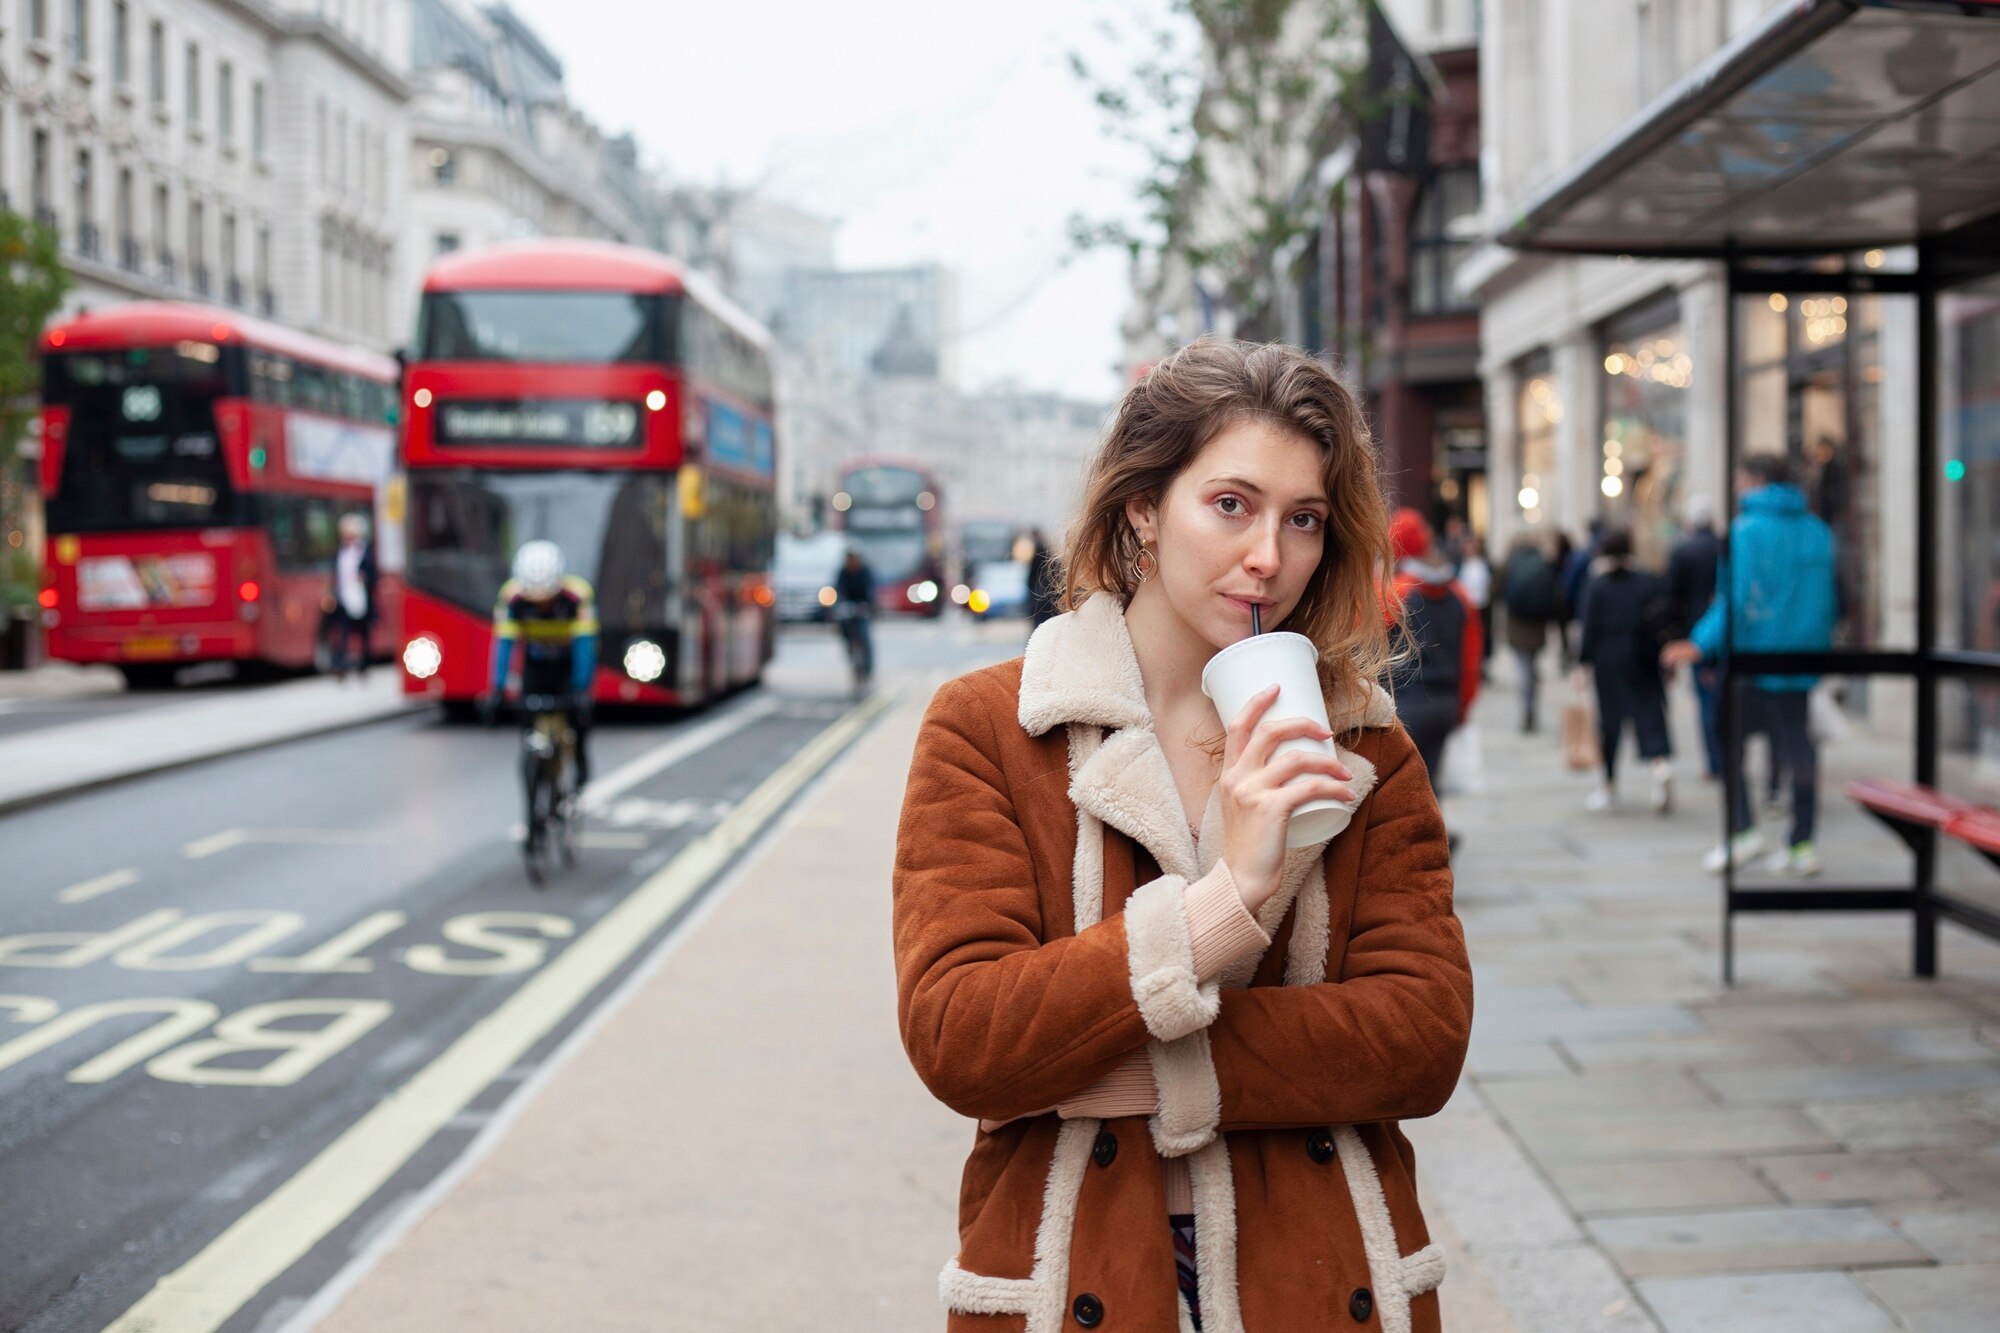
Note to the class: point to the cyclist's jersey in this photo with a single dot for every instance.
(557, 635)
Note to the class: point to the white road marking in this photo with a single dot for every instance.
(607, 841)
(268, 1239)
(290, 837)
(93, 888)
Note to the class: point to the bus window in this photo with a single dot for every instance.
(142, 449)
(567, 328)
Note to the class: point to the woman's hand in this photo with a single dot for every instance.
(1259, 795)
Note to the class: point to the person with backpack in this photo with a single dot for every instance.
(1532, 596)
(1626, 621)
(1435, 689)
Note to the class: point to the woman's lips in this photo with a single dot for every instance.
(1243, 605)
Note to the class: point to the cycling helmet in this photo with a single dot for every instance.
(538, 568)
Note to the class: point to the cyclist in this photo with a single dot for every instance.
(854, 601)
(553, 616)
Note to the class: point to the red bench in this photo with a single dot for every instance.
(1910, 809)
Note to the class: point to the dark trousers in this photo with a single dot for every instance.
(1430, 720)
(1525, 660)
(1782, 716)
(1708, 697)
(347, 641)
(1621, 699)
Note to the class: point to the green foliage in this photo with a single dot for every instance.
(32, 285)
(1230, 103)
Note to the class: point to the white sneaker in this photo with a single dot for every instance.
(1599, 800)
(1800, 860)
(1663, 786)
(1739, 849)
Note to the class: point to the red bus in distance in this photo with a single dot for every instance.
(892, 511)
(195, 467)
(603, 398)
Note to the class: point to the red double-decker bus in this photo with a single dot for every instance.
(196, 464)
(602, 398)
(892, 511)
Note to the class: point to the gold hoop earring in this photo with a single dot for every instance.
(1143, 564)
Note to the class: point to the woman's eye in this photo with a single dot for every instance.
(1309, 522)
(1229, 505)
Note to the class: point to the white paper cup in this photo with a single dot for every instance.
(1290, 662)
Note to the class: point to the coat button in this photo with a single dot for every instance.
(1089, 1311)
(1320, 1145)
(1105, 1150)
(1361, 1304)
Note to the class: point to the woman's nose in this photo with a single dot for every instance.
(1262, 557)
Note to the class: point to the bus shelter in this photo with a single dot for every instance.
(1841, 162)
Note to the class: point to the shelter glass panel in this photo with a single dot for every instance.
(1968, 533)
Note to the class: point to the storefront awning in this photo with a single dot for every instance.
(1830, 125)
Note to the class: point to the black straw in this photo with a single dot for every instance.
(1256, 619)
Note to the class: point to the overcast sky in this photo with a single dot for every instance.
(932, 131)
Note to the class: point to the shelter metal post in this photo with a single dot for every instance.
(1731, 717)
(1924, 917)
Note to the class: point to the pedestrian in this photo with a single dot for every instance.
(1439, 680)
(1531, 594)
(1044, 581)
(1626, 622)
(1181, 1125)
(354, 587)
(1476, 577)
(1691, 569)
(1575, 569)
(1777, 591)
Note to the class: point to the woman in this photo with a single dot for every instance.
(1532, 594)
(1187, 1046)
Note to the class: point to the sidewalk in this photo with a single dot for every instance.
(56, 760)
(1816, 1149)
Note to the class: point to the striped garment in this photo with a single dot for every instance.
(1183, 1225)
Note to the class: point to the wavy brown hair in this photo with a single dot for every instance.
(1168, 417)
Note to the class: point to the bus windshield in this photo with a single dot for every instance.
(556, 327)
(465, 526)
(141, 450)
(890, 556)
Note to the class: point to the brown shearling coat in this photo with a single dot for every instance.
(1030, 963)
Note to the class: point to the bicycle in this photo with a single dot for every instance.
(548, 771)
(852, 620)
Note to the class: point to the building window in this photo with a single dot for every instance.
(156, 64)
(44, 211)
(86, 208)
(444, 166)
(225, 102)
(447, 241)
(128, 240)
(1443, 228)
(197, 246)
(193, 85)
(1538, 411)
(1642, 436)
(319, 139)
(121, 43)
(232, 285)
(162, 214)
(257, 120)
(38, 20)
(79, 31)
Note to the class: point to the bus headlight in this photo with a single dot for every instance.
(926, 591)
(960, 593)
(978, 602)
(645, 660)
(422, 657)
(827, 597)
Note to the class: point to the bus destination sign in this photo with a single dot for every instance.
(586, 422)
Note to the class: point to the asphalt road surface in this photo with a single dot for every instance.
(208, 976)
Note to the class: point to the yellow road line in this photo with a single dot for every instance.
(103, 884)
(265, 1241)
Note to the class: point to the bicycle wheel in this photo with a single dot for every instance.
(569, 813)
(535, 845)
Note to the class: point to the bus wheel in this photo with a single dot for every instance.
(148, 675)
(461, 712)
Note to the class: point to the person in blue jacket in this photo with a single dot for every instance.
(1777, 591)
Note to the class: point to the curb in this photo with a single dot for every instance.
(28, 800)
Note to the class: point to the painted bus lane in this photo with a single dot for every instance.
(222, 1007)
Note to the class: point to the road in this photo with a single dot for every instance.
(208, 976)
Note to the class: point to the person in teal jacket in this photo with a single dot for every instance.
(1776, 591)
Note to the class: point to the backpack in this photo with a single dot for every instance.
(1532, 592)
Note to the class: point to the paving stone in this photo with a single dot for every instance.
(1963, 1120)
(1953, 1233)
(1914, 1044)
(1646, 1020)
(1626, 1187)
(1696, 1132)
(1643, 990)
(1838, 1082)
(1513, 1059)
(1764, 1303)
(1804, 1016)
(1619, 1089)
(1858, 1177)
(1955, 1298)
(1970, 1173)
(1698, 1051)
(1751, 1240)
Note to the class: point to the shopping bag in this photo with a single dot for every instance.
(1464, 763)
(1579, 724)
(1825, 723)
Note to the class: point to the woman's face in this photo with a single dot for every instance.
(1244, 523)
